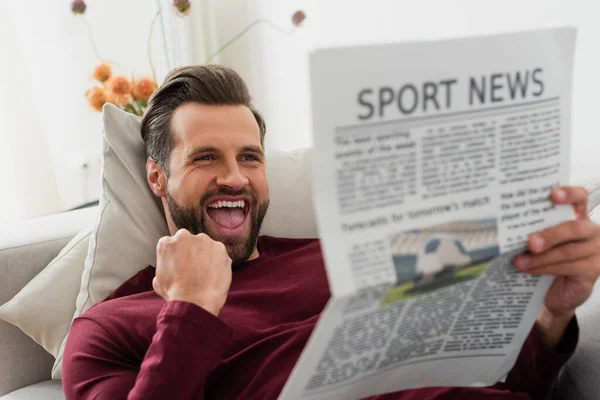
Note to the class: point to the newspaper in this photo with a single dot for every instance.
(433, 163)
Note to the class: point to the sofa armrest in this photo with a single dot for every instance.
(26, 247)
(579, 378)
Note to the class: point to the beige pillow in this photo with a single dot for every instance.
(131, 219)
(43, 309)
(131, 222)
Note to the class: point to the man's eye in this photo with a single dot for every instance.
(249, 157)
(204, 158)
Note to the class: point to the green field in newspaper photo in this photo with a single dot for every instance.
(408, 290)
(438, 256)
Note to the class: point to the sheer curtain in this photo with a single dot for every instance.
(28, 182)
(191, 39)
(47, 132)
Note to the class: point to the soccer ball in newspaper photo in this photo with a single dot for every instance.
(438, 256)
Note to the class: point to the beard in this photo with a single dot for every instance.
(193, 218)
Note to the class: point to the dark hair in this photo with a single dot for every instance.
(205, 84)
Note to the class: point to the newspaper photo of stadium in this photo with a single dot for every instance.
(441, 255)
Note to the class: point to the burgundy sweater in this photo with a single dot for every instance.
(134, 345)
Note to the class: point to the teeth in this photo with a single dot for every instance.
(230, 204)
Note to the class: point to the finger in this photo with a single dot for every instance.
(582, 267)
(569, 195)
(564, 253)
(576, 196)
(569, 231)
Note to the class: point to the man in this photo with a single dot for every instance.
(225, 314)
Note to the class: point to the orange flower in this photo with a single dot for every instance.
(116, 99)
(143, 88)
(118, 86)
(95, 98)
(102, 72)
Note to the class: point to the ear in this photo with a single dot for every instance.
(157, 179)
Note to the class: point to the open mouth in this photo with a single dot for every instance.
(229, 216)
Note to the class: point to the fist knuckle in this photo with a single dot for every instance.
(162, 243)
(182, 233)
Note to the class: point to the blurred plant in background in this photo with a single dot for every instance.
(129, 95)
(132, 94)
(182, 7)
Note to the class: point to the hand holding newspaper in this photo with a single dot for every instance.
(433, 163)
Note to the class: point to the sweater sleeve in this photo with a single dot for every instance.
(537, 366)
(187, 345)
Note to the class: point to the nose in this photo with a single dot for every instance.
(232, 177)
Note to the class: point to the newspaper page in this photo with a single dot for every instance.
(433, 163)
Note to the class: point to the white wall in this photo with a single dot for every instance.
(55, 132)
(281, 83)
(51, 48)
(47, 131)
(27, 184)
(50, 69)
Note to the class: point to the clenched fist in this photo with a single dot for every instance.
(194, 269)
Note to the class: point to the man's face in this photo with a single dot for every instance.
(217, 182)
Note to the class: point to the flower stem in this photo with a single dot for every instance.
(243, 31)
(150, 42)
(93, 43)
(136, 107)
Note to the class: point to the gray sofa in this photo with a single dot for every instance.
(26, 247)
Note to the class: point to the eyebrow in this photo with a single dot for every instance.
(199, 150)
(207, 149)
(254, 149)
